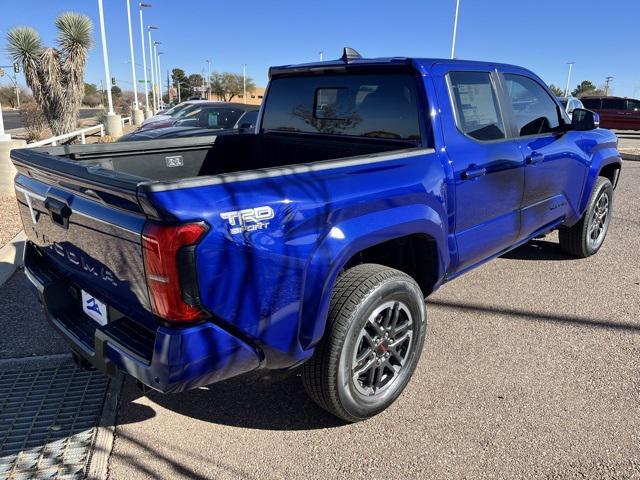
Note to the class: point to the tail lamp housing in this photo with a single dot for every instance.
(170, 268)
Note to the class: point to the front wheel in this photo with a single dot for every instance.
(374, 337)
(587, 236)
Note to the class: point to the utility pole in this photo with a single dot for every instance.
(244, 82)
(208, 79)
(152, 68)
(144, 56)
(455, 30)
(566, 90)
(114, 125)
(606, 84)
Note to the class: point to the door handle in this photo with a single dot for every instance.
(473, 172)
(534, 158)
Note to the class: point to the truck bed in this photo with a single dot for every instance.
(177, 159)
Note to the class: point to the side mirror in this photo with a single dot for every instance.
(582, 119)
(246, 126)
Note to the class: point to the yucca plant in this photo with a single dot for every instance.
(55, 75)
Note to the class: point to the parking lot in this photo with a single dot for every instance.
(530, 370)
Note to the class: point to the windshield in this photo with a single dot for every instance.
(173, 111)
(188, 111)
(380, 105)
(215, 118)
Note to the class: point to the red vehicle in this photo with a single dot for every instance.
(615, 112)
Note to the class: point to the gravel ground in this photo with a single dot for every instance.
(24, 330)
(530, 370)
(10, 223)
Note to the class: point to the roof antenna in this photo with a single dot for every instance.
(349, 54)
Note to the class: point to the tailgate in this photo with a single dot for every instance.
(91, 234)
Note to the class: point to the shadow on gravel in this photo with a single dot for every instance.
(537, 316)
(538, 250)
(248, 401)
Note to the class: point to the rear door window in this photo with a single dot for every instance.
(613, 104)
(476, 105)
(534, 110)
(591, 103)
(376, 106)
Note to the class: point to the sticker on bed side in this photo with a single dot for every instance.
(175, 161)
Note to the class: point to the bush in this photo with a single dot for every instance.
(33, 121)
(91, 100)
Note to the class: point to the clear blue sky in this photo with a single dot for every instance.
(603, 38)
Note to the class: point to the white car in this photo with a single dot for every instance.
(570, 104)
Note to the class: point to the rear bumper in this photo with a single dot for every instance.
(165, 359)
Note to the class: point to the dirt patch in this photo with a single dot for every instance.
(10, 223)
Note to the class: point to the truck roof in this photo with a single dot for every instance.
(421, 63)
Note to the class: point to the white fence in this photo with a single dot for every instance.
(82, 133)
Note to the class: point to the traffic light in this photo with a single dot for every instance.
(113, 81)
(16, 67)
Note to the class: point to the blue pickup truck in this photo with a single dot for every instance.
(312, 241)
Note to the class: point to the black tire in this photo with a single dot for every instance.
(577, 240)
(359, 293)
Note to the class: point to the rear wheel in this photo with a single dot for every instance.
(374, 337)
(587, 236)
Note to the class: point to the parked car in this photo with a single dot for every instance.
(205, 121)
(570, 104)
(166, 117)
(311, 242)
(615, 112)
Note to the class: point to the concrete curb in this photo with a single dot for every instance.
(630, 156)
(103, 445)
(11, 256)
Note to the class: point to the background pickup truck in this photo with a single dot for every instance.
(313, 241)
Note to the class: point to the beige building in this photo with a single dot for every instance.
(253, 98)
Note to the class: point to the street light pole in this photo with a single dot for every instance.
(144, 56)
(152, 69)
(137, 117)
(455, 30)
(566, 90)
(114, 127)
(159, 75)
(244, 82)
(105, 57)
(321, 54)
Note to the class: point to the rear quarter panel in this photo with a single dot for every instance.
(273, 285)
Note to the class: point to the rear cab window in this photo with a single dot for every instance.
(381, 105)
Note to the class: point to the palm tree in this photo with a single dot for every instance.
(55, 75)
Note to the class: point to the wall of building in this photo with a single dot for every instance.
(253, 98)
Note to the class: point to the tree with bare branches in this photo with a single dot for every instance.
(55, 75)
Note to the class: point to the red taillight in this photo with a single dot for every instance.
(161, 245)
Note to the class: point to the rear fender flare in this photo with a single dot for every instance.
(345, 239)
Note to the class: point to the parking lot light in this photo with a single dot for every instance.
(144, 56)
(566, 90)
(152, 68)
(455, 30)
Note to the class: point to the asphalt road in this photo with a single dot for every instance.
(12, 117)
(530, 370)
